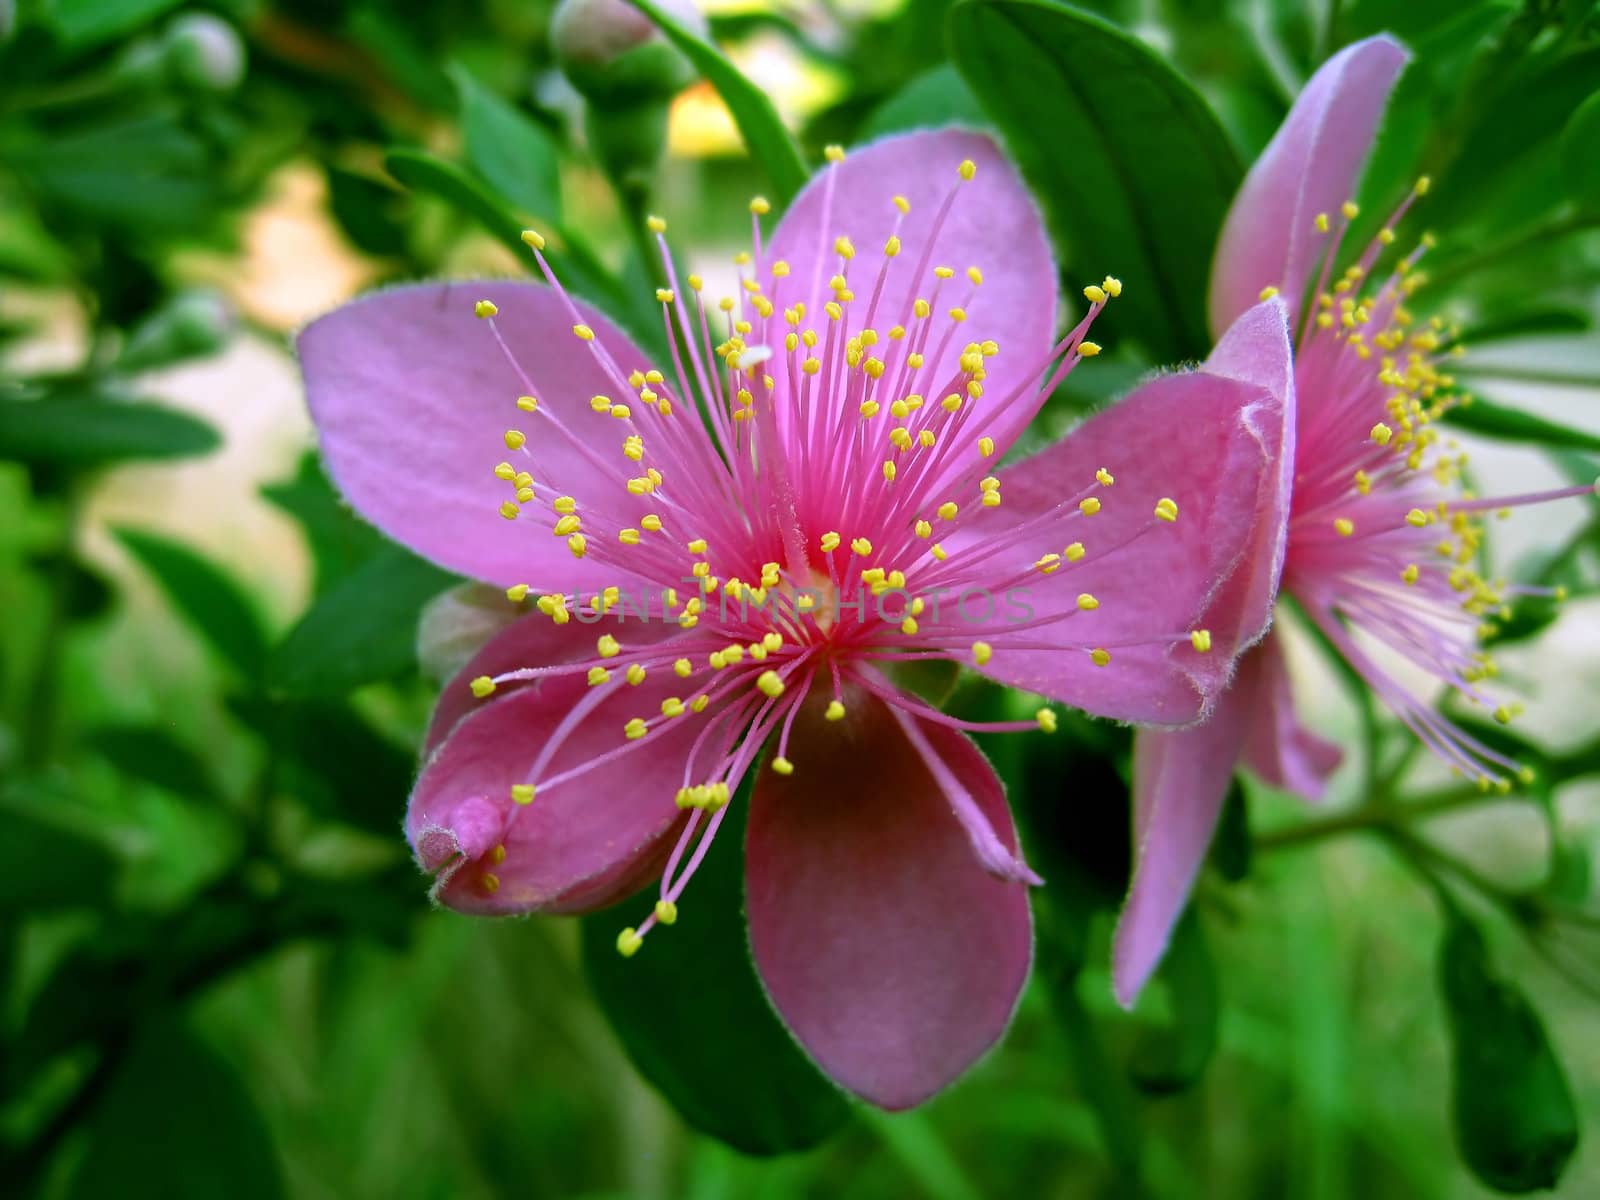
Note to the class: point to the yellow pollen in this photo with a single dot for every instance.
(986, 446)
(505, 471)
(1381, 434)
(515, 439)
(1073, 552)
(1322, 222)
(522, 793)
(1089, 506)
(1416, 518)
(1350, 209)
(1411, 573)
(770, 684)
(967, 169)
(1344, 525)
(651, 522)
(598, 675)
(528, 403)
(1087, 603)
(902, 204)
(982, 652)
(948, 510)
(938, 552)
(1047, 719)
(482, 686)
(1200, 639)
(583, 332)
(834, 711)
(830, 542)
(672, 707)
(484, 308)
(533, 238)
(635, 674)
(490, 882)
(833, 152)
(861, 546)
(1099, 657)
(1267, 293)
(1095, 295)
(508, 510)
(635, 729)
(1088, 349)
(628, 942)
(1112, 285)
(782, 766)
(1105, 477)
(655, 224)
(517, 593)
(607, 646)
(664, 295)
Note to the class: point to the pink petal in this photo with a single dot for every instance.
(1277, 747)
(894, 957)
(1212, 443)
(1312, 165)
(580, 844)
(993, 225)
(1180, 779)
(411, 397)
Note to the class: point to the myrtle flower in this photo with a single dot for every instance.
(1380, 544)
(730, 553)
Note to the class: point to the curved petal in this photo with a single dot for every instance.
(1180, 779)
(1212, 443)
(1277, 747)
(1312, 165)
(889, 950)
(992, 224)
(412, 396)
(583, 842)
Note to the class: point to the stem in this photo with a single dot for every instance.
(1382, 819)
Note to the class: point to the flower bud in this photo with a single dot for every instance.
(204, 51)
(613, 54)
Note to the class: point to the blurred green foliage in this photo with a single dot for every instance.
(218, 970)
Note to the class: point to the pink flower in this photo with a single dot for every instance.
(804, 496)
(1378, 541)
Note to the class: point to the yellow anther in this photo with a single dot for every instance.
(697, 546)
(1411, 574)
(1200, 639)
(635, 729)
(1381, 434)
(1166, 509)
(598, 675)
(926, 439)
(672, 707)
(484, 308)
(891, 247)
(635, 674)
(1416, 518)
(1073, 552)
(505, 471)
(991, 499)
(607, 646)
(948, 510)
(1047, 719)
(938, 551)
(1088, 506)
(967, 169)
(1095, 295)
(1350, 209)
(982, 652)
(1322, 222)
(861, 546)
(958, 314)
(578, 544)
(833, 152)
(770, 683)
(1100, 657)
(482, 686)
(921, 307)
(664, 295)
(655, 224)
(489, 881)
(811, 365)
(517, 593)
(515, 439)
(986, 447)
(528, 403)
(1112, 285)
(1344, 526)
(760, 205)
(830, 542)
(651, 522)
(509, 510)
(909, 627)
(844, 248)
(583, 332)
(782, 766)
(834, 711)
(1424, 182)
(1087, 603)
(600, 404)
(1048, 563)
(1503, 715)
(944, 272)
(567, 525)
(1105, 477)
(522, 793)
(1267, 293)
(628, 942)
(533, 238)
(902, 204)
(1088, 349)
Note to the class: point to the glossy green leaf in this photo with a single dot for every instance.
(362, 631)
(208, 599)
(177, 1123)
(85, 23)
(1133, 169)
(46, 863)
(1230, 848)
(1173, 1057)
(763, 130)
(1507, 424)
(1580, 154)
(512, 152)
(936, 97)
(99, 429)
(1512, 1109)
(694, 1019)
(363, 208)
(152, 755)
(1525, 322)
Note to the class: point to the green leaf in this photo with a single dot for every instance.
(47, 864)
(99, 429)
(763, 131)
(1525, 322)
(1173, 1058)
(936, 97)
(1580, 154)
(85, 23)
(362, 631)
(176, 1123)
(693, 1017)
(515, 156)
(1512, 1109)
(1231, 847)
(1133, 169)
(151, 754)
(208, 599)
(339, 540)
(1508, 424)
(339, 765)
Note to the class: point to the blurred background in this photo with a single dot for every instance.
(219, 974)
